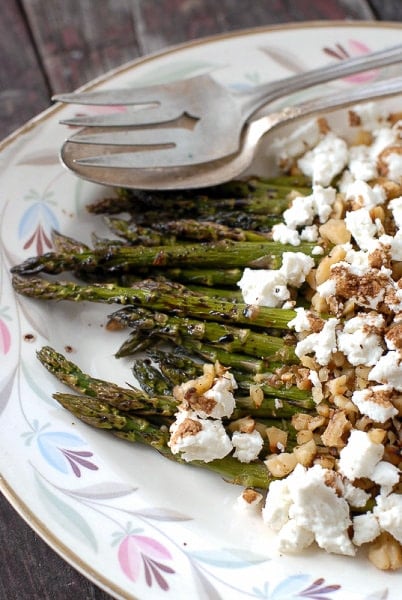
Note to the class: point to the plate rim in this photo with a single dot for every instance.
(17, 503)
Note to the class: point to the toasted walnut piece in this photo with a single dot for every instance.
(397, 402)
(392, 189)
(277, 438)
(338, 385)
(256, 395)
(337, 429)
(319, 304)
(323, 410)
(245, 425)
(385, 552)
(323, 125)
(187, 428)
(300, 421)
(323, 271)
(196, 386)
(303, 436)
(305, 453)
(251, 496)
(377, 436)
(281, 465)
(334, 230)
(326, 462)
(315, 422)
(394, 117)
(354, 118)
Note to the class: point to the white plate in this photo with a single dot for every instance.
(132, 522)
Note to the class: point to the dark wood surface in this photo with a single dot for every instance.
(49, 46)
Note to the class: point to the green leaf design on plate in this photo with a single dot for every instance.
(106, 490)
(176, 70)
(228, 558)
(67, 517)
(35, 388)
(160, 514)
(6, 389)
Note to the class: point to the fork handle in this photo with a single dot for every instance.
(268, 92)
(329, 102)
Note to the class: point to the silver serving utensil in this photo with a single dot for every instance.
(191, 121)
(121, 169)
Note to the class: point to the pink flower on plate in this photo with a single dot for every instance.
(139, 553)
(5, 335)
(5, 338)
(350, 49)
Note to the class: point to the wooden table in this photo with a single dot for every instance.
(49, 46)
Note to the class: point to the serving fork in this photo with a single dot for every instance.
(123, 174)
(186, 123)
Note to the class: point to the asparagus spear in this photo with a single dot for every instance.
(125, 399)
(177, 368)
(227, 337)
(133, 400)
(267, 196)
(124, 259)
(157, 295)
(168, 232)
(134, 429)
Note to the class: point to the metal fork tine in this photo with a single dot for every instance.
(175, 156)
(146, 116)
(137, 95)
(141, 137)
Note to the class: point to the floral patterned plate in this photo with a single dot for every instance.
(135, 524)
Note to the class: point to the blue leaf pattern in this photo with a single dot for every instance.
(50, 445)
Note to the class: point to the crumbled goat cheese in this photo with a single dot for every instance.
(264, 287)
(222, 393)
(285, 235)
(325, 160)
(268, 287)
(388, 370)
(362, 165)
(369, 115)
(297, 142)
(247, 445)
(364, 195)
(354, 496)
(295, 267)
(306, 499)
(360, 456)
(310, 234)
(365, 528)
(361, 226)
(360, 345)
(301, 214)
(375, 403)
(198, 439)
(396, 208)
(322, 344)
(388, 511)
(385, 475)
(393, 161)
(302, 321)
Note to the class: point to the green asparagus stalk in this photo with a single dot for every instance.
(125, 399)
(266, 196)
(178, 368)
(160, 296)
(136, 401)
(229, 338)
(169, 232)
(134, 429)
(125, 259)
